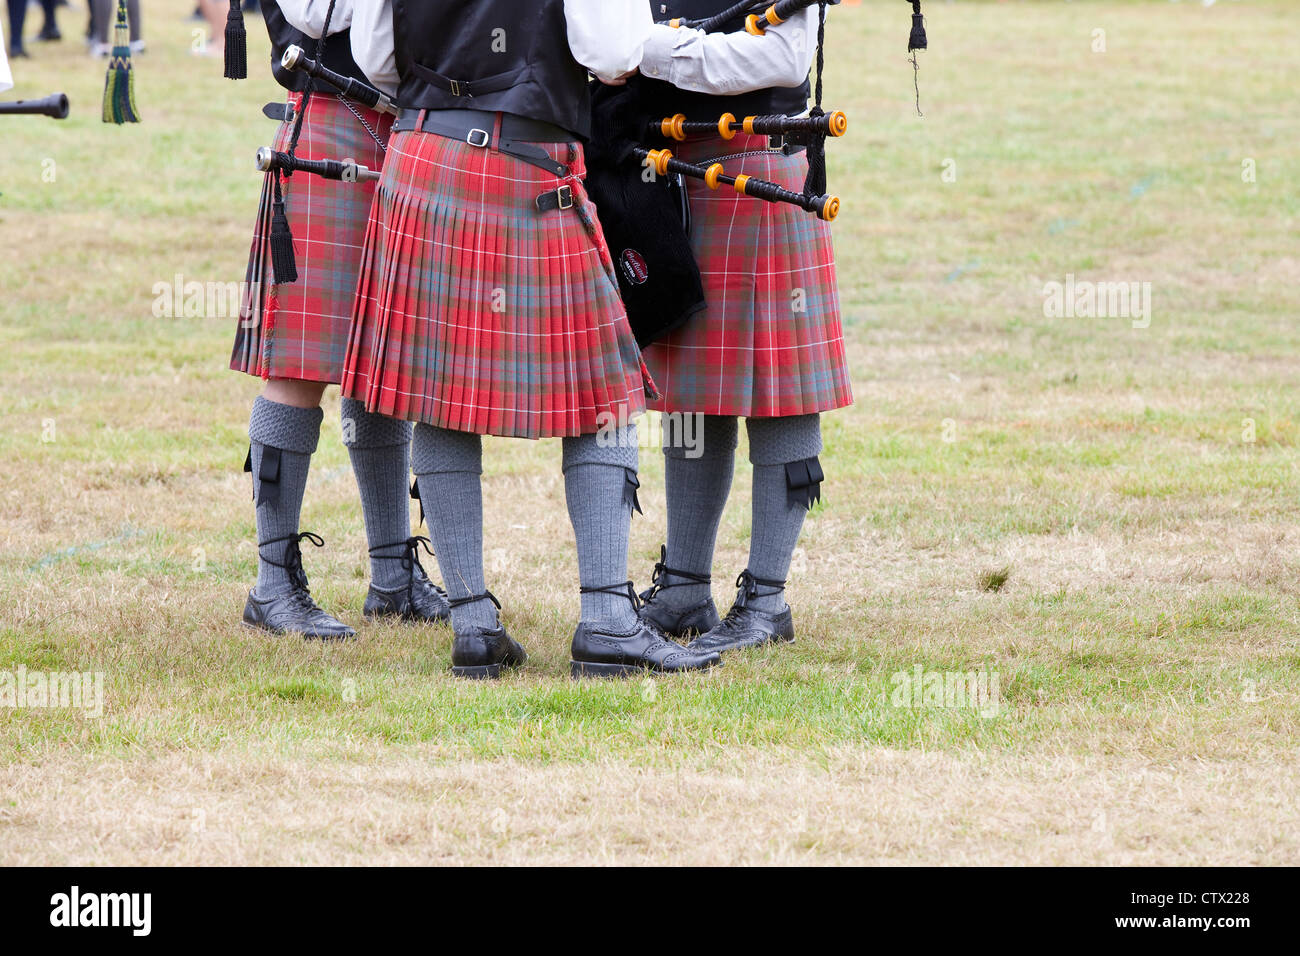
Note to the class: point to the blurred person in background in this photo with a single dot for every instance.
(103, 15)
(215, 12)
(17, 14)
(50, 28)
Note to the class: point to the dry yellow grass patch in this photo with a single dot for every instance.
(865, 806)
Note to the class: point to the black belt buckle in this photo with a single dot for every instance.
(787, 143)
(561, 198)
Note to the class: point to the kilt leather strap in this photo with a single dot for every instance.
(503, 132)
(280, 112)
(561, 198)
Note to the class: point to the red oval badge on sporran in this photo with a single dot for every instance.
(634, 267)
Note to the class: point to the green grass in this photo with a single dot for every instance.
(1102, 515)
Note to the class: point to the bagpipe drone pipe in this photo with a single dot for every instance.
(638, 188)
(277, 164)
(54, 106)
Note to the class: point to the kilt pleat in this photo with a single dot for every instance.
(770, 340)
(299, 330)
(478, 313)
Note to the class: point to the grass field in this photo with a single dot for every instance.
(1136, 487)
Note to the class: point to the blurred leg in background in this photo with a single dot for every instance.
(215, 12)
(17, 14)
(103, 19)
(50, 28)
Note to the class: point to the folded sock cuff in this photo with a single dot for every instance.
(700, 436)
(436, 450)
(616, 448)
(285, 426)
(778, 441)
(363, 429)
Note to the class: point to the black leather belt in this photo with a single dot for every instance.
(478, 128)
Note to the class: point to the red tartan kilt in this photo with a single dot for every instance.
(770, 341)
(299, 330)
(477, 312)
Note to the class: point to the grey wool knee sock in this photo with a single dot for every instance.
(696, 489)
(599, 487)
(449, 472)
(380, 449)
(282, 440)
(780, 502)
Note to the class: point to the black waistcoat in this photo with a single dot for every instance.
(661, 98)
(509, 56)
(338, 52)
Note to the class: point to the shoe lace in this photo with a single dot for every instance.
(470, 599)
(749, 588)
(410, 558)
(302, 599)
(659, 579)
(293, 557)
(626, 589)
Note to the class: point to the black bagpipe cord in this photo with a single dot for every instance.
(815, 184)
(283, 266)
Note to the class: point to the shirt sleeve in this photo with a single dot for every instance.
(309, 15)
(731, 63)
(608, 36)
(372, 43)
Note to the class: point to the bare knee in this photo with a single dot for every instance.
(289, 391)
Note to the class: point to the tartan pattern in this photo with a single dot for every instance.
(299, 330)
(750, 352)
(478, 313)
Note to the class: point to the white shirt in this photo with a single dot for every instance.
(730, 63)
(605, 36)
(309, 15)
(6, 78)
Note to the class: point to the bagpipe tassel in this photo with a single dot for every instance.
(236, 43)
(119, 85)
(283, 267)
(917, 40)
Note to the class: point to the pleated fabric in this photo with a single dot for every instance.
(299, 330)
(770, 341)
(479, 313)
